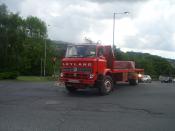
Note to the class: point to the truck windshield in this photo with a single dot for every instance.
(81, 51)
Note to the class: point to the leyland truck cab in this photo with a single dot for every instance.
(94, 66)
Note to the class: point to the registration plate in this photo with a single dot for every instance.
(73, 81)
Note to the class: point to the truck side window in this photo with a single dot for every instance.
(100, 52)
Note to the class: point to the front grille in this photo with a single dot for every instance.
(68, 69)
(76, 76)
(84, 70)
(76, 69)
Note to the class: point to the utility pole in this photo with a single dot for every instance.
(113, 30)
(45, 52)
(41, 67)
(45, 57)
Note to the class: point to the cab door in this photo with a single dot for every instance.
(101, 60)
(109, 55)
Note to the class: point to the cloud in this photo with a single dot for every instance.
(163, 53)
(149, 26)
(67, 20)
(13, 5)
(109, 1)
(155, 26)
(72, 20)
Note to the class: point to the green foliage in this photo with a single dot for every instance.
(59, 53)
(35, 27)
(9, 75)
(34, 78)
(22, 44)
(153, 65)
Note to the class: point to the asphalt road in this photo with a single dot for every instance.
(43, 106)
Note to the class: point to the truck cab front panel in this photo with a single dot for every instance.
(79, 70)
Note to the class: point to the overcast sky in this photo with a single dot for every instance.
(149, 27)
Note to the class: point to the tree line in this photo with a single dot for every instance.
(22, 43)
(153, 65)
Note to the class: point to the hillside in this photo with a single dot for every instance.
(172, 62)
(152, 64)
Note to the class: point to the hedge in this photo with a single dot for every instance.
(8, 75)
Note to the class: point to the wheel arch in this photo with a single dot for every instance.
(108, 72)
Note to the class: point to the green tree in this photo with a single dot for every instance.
(22, 43)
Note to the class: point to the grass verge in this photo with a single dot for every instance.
(35, 78)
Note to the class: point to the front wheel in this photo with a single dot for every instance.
(106, 85)
(70, 88)
(133, 81)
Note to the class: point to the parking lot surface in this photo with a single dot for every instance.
(44, 106)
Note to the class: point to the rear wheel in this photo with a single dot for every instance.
(106, 85)
(133, 81)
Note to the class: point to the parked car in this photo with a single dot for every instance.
(174, 80)
(146, 78)
(165, 79)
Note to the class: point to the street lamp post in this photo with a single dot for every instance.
(114, 26)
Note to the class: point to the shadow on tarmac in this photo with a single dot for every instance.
(94, 92)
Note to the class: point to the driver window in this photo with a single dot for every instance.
(100, 52)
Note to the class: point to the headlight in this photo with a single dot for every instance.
(139, 75)
(61, 74)
(91, 76)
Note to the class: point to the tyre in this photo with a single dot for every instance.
(106, 85)
(133, 82)
(70, 88)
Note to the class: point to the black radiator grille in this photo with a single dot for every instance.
(76, 76)
(77, 69)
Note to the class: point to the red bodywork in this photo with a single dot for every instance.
(84, 72)
(81, 76)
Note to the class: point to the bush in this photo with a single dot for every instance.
(9, 75)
